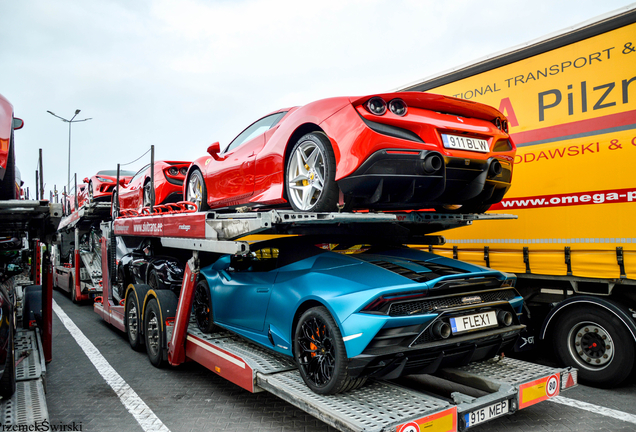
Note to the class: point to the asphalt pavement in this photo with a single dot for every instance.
(192, 398)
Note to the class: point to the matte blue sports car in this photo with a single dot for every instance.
(347, 311)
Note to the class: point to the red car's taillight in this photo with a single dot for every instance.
(176, 171)
(398, 107)
(502, 125)
(376, 105)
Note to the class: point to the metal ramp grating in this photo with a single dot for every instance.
(30, 366)
(377, 406)
(27, 406)
(508, 370)
(259, 359)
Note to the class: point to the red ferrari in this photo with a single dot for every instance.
(169, 176)
(101, 185)
(398, 151)
(8, 124)
(68, 202)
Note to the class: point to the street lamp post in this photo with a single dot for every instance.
(71, 121)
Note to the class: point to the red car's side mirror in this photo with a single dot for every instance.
(214, 150)
(123, 182)
(18, 123)
(85, 179)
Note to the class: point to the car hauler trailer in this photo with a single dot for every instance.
(76, 254)
(475, 393)
(570, 99)
(32, 321)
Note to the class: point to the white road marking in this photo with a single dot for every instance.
(608, 412)
(146, 418)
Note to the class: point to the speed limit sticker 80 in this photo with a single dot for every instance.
(538, 390)
(552, 386)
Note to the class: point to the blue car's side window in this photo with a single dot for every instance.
(262, 260)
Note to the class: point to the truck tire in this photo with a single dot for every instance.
(597, 343)
(153, 333)
(132, 322)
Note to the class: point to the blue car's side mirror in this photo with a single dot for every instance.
(222, 263)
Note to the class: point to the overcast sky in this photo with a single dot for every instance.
(184, 74)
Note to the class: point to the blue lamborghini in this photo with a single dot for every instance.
(349, 310)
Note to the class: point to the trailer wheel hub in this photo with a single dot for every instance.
(592, 344)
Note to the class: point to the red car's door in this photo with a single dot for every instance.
(230, 180)
(233, 177)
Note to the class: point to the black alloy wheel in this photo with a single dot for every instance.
(153, 280)
(202, 307)
(320, 353)
(119, 287)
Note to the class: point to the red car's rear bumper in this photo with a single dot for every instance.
(394, 162)
(398, 179)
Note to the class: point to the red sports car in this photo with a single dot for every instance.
(101, 185)
(169, 176)
(407, 150)
(8, 124)
(68, 202)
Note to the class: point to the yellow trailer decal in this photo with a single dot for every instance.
(572, 112)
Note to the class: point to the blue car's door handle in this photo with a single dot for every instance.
(262, 290)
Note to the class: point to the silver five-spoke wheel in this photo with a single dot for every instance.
(195, 191)
(310, 174)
